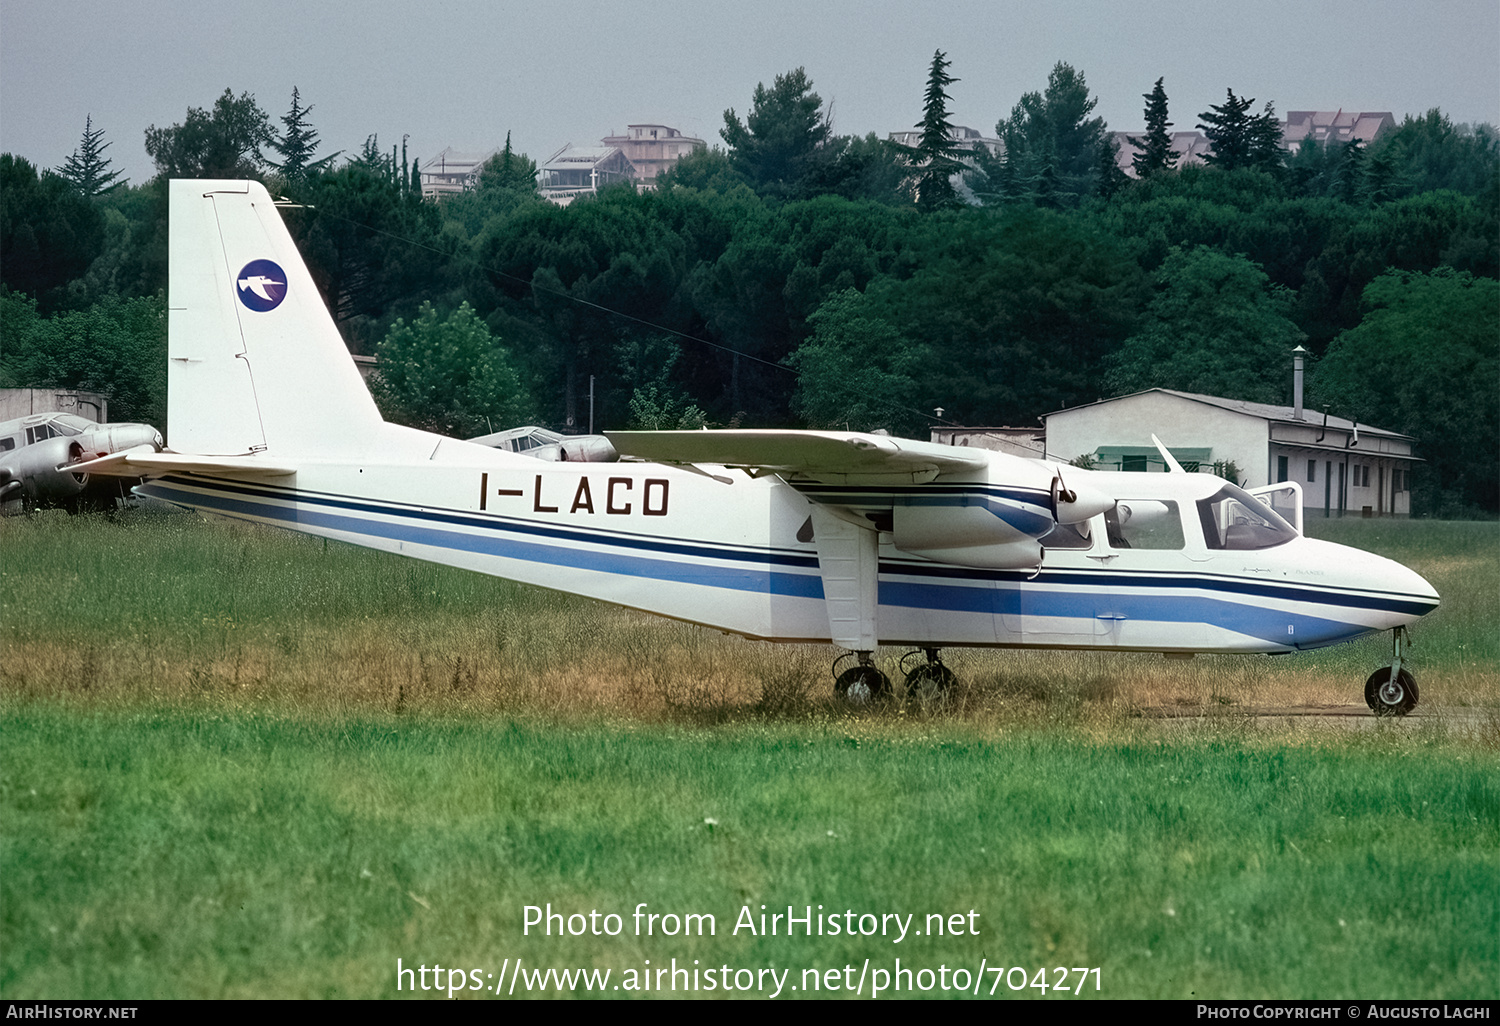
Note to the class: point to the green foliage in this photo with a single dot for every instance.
(1241, 139)
(859, 168)
(1018, 310)
(706, 168)
(87, 167)
(1051, 144)
(226, 142)
(656, 408)
(298, 144)
(780, 135)
(644, 364)
(508, 170)
(1429, 153)
(1228, 470)
(856, 371)
(117, 347)
(934, 161)
(1156, 147)
(1216, 326)
(1424, 361)
(49, 232)
(373, 249)
(448, 375)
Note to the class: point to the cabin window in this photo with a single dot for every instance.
(1067, 536)
(1144, 524)
(1234, 519)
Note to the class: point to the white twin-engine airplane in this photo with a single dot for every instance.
(794, 536)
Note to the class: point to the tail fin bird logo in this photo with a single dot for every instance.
(262, 285)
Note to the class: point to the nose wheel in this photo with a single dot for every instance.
(1392, 690)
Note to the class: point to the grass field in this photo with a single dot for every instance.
(237, 762)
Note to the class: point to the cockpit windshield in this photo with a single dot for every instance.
(1234, 519)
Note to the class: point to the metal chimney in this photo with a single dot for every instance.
(1297, 361)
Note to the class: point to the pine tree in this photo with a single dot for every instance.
(936, 155)
(1156, 149)
(508, 170)
(298, 143)
(87, 168)
(1241, 139)
(1350, 174)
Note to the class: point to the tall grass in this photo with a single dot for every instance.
(239, 762)
(173, 607)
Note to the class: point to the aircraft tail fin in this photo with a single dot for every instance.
(255, 363)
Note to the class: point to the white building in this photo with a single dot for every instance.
(575, 171)
(1343, 467)
(452, 171)
(652, 149)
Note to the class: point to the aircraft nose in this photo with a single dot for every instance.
(1405, 579)
(1410, 594)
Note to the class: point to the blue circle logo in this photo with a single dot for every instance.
(262, 285)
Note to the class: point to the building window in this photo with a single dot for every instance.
(1133, 464)
(1281, 462)
(1312, 471)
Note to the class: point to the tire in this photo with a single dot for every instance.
(861, 685)
(930, 680)
(1387, 699)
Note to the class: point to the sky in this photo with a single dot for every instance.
(464, 73)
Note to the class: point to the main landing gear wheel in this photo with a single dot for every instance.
(930, 679)
(861, 684)
(1387, 697)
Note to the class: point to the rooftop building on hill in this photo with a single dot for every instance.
(452, 171)
(575, 171)
(652, 149)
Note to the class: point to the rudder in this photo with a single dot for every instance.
(255, 362)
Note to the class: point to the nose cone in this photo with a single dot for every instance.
(1389, 593)
(1087, 502)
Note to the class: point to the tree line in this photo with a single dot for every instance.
(794, 276)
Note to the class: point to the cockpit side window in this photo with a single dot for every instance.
(1144, 524)
(1067, 536)
(1234, 519)
(7, 444)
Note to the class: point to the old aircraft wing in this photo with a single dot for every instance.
(145, 460)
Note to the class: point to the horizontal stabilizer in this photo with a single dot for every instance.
(145, 461)
(812, 452)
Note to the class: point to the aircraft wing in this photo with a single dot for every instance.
(145, 460)
(809, 452)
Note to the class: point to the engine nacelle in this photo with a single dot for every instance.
(969, 535)
(35, 467)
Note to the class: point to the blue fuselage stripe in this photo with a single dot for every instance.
(1072, 595)
(494, 543)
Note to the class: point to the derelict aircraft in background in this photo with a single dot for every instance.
(34, 449)
(794, 536)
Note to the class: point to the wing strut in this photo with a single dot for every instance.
(848, 558)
